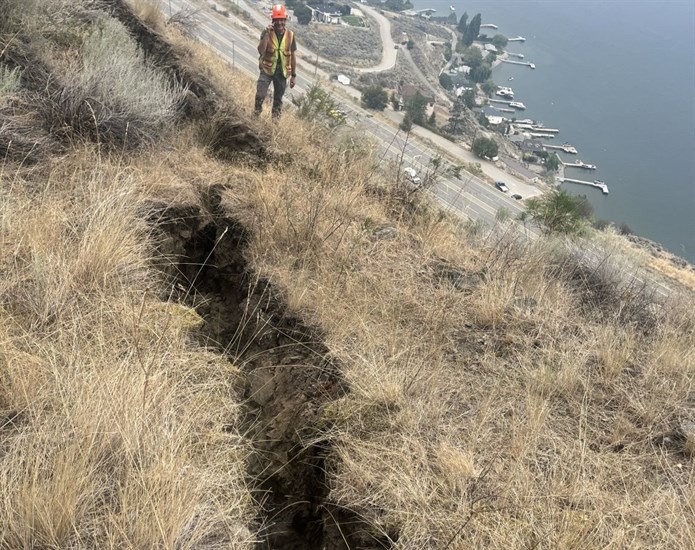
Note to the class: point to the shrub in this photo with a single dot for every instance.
(115, 96)
(375, 97)
(485, 148)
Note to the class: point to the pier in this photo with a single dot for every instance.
(535, 128)
(488, 26)
(580, 164)
(517, 55)
(566, 147)
(596, 183)
(516, 39)
(524, 63)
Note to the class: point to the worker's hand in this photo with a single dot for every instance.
(270, 29)
(292, 79)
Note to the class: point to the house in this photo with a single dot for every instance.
(490, 48)
(330, 18)
(343, 79)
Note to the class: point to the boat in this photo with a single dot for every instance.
(503, 91)
(510, 78)
(452, 8)
(599, 182)
(533, 66)
(517, 105)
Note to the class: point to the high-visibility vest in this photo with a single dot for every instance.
(275, 51)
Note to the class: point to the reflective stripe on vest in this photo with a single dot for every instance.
(267, 62)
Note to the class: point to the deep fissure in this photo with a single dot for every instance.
(289, 378)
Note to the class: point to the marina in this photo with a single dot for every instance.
(596, 183)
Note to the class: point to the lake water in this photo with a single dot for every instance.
(618, 79)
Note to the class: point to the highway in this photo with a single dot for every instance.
(467, 195)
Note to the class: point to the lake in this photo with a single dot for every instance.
(618, 80)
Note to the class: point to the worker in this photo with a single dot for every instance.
(277, 60)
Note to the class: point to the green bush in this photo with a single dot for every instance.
(375, 97)
(485, 148)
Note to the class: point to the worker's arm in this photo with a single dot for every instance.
(294, 66)
(263, 44)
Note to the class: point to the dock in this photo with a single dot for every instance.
(505, 101)
(524, 63)
(580, 164)
(566, 147)
(518, 55)
(516, 39)
(596, 183)
(488, 26)
(534, 128)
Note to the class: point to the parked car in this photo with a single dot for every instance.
(502, 186)
(517, 197)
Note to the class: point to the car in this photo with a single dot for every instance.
(502, 186)
(517, 197)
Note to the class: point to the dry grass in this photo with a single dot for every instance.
(501, 395)
(517, 412)
(112, 422)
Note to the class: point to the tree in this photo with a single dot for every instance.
(395, 103)
(445, 81)
(556, 211)
(407, 123)
(463, 23)
(499, 41)
(553, 162)
(488, 87)
(469, 99)
(303, 14)
(472, 57)
(472, 30)
(410, 44)
(481, 73)
(455, 125)
(375, 97)
(415, 107)
(485, 148)
(432, 120)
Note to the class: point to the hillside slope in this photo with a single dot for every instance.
(222, 332)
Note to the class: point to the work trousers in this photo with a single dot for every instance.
(279, 84)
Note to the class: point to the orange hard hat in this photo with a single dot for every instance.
(279, 12)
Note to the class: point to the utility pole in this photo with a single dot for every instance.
(316, 66)
(169, 8)
(233, 54)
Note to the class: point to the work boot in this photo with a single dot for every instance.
(258, 107)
